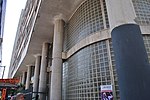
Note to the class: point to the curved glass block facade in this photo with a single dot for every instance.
(142, 9)
(89, 68)
(87, 20)
(85, 72)
(116, 86)
(94, 65)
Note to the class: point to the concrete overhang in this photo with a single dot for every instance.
(44, 26)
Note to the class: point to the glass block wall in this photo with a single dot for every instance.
(142, 9)
(89, 68)
(85, 21)
(92, 66)
(116, 86)
(85, 71)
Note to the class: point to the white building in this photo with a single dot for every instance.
(66, 45)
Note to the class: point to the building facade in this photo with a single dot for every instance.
(63, 48)
(2, 20)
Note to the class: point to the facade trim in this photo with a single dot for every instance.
(98, 36)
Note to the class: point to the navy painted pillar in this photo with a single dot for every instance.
(131, 62)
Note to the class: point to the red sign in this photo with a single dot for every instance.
(12, 81)
(3, 94)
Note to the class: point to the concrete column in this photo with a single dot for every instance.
(43, 72)
(28, 77)
(120, 12)
(23, 78)
(57, 60)
(36, 74)
(20, 79)
(49, 74)
(132, 63)
(49, 86)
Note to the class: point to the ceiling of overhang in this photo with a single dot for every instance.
(44, 26)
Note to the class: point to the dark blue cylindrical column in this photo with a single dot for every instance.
(131, 62)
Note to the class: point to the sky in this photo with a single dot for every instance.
(13, 11)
